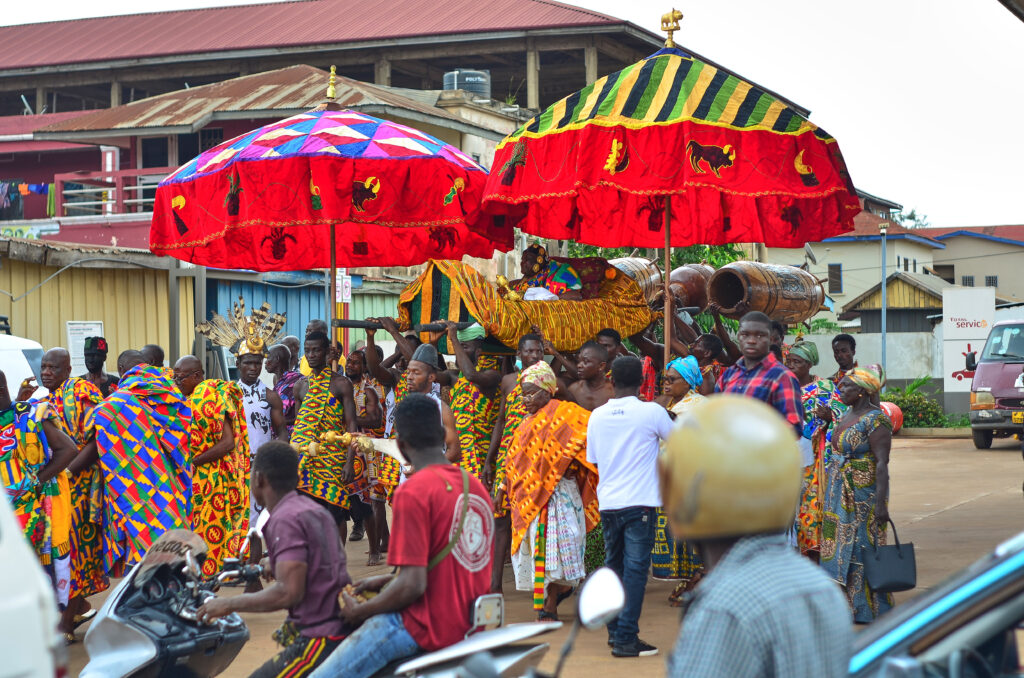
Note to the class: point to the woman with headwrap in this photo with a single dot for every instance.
(552, 492)
(671, 559)
(822, 408)
(856, 499)
(540, 270)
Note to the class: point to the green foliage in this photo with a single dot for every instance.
(919, 411)
(818, 326)
(714, 255)
(957, 420)
(911, 219)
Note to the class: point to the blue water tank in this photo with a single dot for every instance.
(476, 82)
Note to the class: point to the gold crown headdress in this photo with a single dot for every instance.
(242, 335)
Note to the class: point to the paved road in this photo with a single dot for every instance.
(953, 502)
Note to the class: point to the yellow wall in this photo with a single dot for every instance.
(900, 295)
(131, 302)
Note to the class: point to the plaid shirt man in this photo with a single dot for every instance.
(769, 381)
(762, 612)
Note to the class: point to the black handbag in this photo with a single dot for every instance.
(889, 569)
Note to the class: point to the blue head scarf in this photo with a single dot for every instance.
(688, 369)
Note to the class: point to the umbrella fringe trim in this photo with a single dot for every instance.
(284, 224)
(517, 199)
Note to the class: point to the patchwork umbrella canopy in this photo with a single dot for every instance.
(738, 164)
(266, 200)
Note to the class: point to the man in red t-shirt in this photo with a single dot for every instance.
(426, 605)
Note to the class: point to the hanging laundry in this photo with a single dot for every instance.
(51, 200)
(5, 201)
(23, 189)
(38, 189)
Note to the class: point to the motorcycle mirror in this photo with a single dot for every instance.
(601, 599)
(193, 566)
(261, 522)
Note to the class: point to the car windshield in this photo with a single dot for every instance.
(1005, 343)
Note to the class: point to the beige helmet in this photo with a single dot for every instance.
(731, 468)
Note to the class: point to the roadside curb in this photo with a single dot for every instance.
(958, 432)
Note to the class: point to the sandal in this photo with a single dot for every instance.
(80, 619)
(544, 615)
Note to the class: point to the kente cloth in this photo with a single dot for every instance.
(456, 291)
(552, 551)
(555, 276)
(109, 384)
(475, 415)
(515, 412)
(24, 451)
(848, 526)
(322, 474)
(142, 437)
(72, 402)
(285, 388)
(382, 470)
(649, 386)
(544, 447)
(819, 433)
(672, 559)
(220, 489)
(712, 371)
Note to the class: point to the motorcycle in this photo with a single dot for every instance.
(148, 626)
(496, 654)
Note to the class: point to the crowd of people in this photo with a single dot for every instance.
(552, 465)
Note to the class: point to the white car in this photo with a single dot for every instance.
(20, 358)
(33, 647)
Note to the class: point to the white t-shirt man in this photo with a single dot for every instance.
(623, 441)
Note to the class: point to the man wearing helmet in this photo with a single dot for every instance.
(730, 480)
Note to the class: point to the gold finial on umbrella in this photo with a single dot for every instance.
(331, 93)
(670, 24)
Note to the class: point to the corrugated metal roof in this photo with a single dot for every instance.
(26, 124)
(1008, 232)
(865, 224)
(296, 88)
(278, 24)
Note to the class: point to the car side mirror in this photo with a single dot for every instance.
(601, 599)
(972, 361)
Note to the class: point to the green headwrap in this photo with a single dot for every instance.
(806, 350)
(474, 331)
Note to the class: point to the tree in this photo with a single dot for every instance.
(911, 219)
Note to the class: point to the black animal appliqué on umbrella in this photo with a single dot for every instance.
(231, 200)
(716, 157)
(443, 236)
(278, 239)
(518, 159)
(363, 191)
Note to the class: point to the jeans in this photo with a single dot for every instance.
(628, 540)
(380, 640)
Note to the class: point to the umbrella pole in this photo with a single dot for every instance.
(668, 270)
(334, 296)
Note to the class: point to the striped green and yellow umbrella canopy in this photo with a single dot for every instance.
(741, 164)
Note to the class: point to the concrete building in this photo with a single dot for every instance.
(977, 256)
(851, 263)
(534, 52)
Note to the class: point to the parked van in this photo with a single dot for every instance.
(19, 359)
(997, 391)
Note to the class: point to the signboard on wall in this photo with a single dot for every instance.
(77, 331)
(967, 316)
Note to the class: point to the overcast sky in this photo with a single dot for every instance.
(925, 96)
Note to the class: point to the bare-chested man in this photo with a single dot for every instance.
(593, 388)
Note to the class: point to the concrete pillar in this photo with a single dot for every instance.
(382, 72)
(115, 93)
(40, 99)
(532, 76)
(590, 63)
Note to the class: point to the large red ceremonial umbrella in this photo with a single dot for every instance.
(273, 199)
(672, 152)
